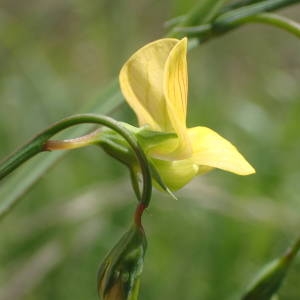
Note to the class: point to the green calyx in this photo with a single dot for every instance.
(115, 145)
(119, 274)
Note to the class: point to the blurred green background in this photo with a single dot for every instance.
(55, 56)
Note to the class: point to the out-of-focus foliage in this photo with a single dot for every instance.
(55, 56)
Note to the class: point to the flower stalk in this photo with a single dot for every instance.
(41, 143)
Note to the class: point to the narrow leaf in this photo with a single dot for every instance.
(269, 280)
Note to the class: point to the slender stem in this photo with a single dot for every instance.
(33, 147)
(203, 12)
(275, 20)
(179, 20)
(265, 18)
(37, 145)
(138, 214)
(239, 4)
(12, 162)
(233, 18)
(182, 21)
(292, 252)
(196, 31)
(174, 21)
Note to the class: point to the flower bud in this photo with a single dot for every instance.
(119, 274)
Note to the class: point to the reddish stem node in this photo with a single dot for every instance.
(138, 215)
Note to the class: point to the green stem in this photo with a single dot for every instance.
(252, 13)
(36, 145)
(265, 18)
(292, 252)
(275, 20)
(239, 4)
(12, 162)
(234, 17)
(32, 148)
(182, 21)
(203, 12)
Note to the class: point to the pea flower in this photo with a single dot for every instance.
(154, 82)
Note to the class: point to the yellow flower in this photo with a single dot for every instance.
(154, 82)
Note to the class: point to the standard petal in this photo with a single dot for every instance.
(141, 81)
(210, 149)
(176, 90)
